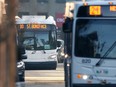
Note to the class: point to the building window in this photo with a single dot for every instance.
(20, 14)
(60, 1)
(23, 1)
(42, 1)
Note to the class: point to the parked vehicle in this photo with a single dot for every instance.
(60, 50)
(20, 64)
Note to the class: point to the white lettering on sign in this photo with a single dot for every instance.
(60, 20)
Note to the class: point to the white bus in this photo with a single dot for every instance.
(92, 61)
(39, 36)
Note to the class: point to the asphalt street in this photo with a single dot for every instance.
(43, 78)
(36, 84)
(45, 75)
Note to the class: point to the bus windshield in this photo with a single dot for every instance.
(36, 40)
(95, 38)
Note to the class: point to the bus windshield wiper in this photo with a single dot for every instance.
(107, 52)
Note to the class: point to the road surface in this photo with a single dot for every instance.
(45, 75)
(43, 78)
(40, 84)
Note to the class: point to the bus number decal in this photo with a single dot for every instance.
(95, 10)
(86, 60)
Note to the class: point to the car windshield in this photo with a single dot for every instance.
(95, 38)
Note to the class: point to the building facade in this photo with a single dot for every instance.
(53, 8)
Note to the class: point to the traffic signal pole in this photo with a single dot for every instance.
(7, 44)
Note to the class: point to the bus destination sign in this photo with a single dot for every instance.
(112, 8)
(101, 10)
(32, 26)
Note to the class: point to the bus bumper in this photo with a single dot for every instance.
(94, 85)
(51, 65)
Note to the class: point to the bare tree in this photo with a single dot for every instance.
(7, 43)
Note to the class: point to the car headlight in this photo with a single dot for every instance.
(20, 64)
(62, 54)
(66, 55)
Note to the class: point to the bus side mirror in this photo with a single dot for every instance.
(67, 25)
(24, 57)
(58, 44)
(21, 50)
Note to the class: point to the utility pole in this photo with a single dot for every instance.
(7, 43)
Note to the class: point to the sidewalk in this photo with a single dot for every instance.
(44, 79)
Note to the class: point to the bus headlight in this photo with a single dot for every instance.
(62, 54)
(81, 76)
(85, 77)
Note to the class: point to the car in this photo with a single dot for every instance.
(20, 71)
(20, 64)
(60, 50)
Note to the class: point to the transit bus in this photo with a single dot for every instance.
(39, 37)
(92, 58)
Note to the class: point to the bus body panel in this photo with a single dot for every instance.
(96, 75)
(40, 60)
(40, 56)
